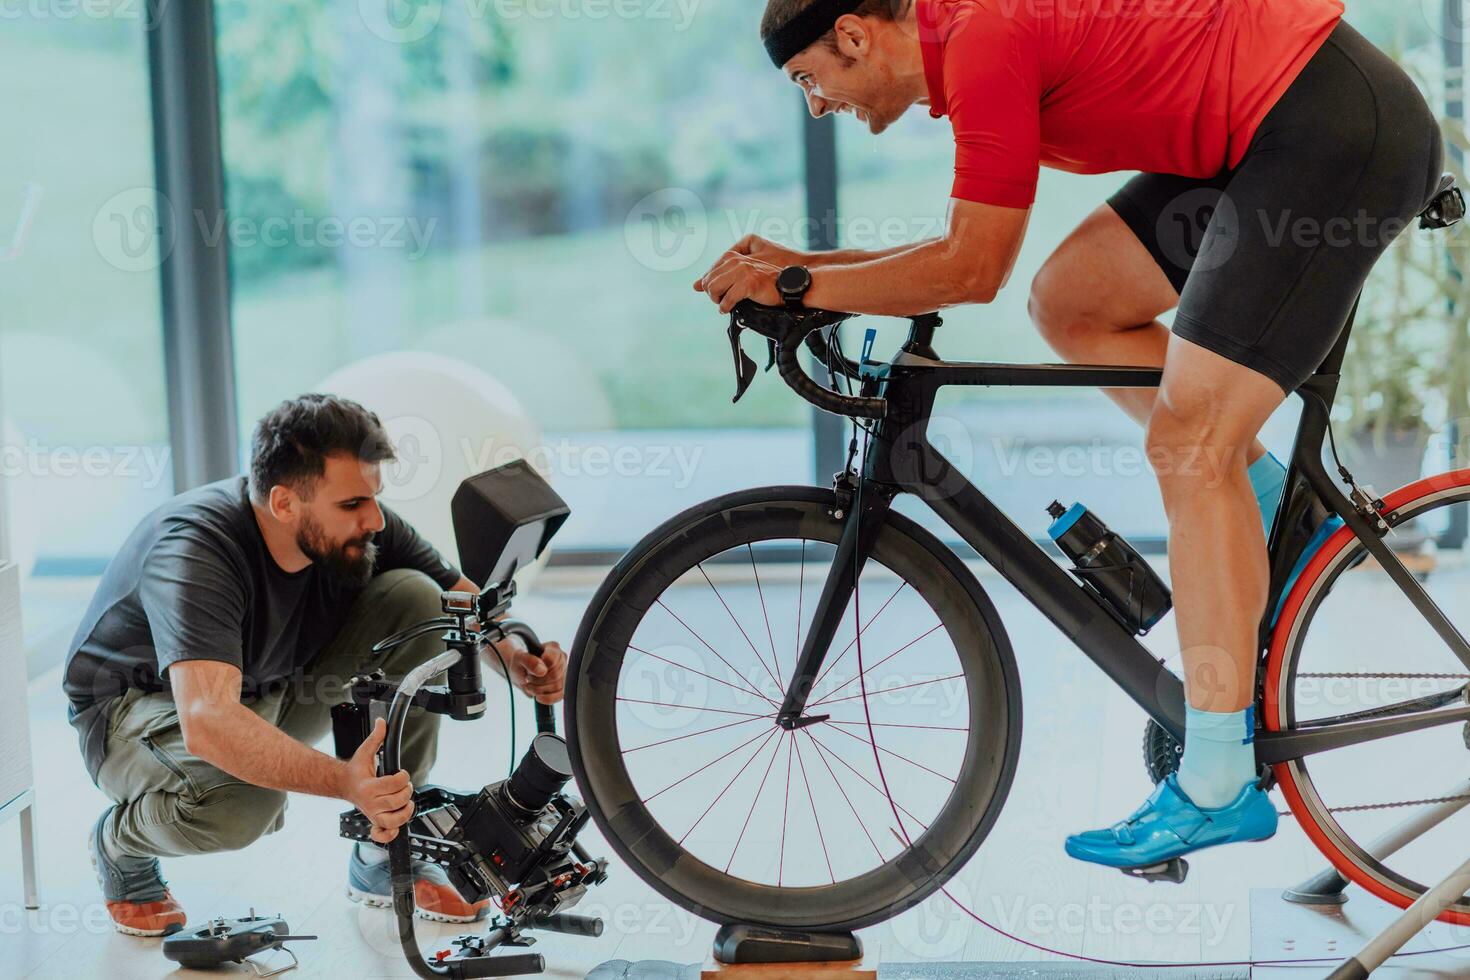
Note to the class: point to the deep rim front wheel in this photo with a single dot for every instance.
(675, 679)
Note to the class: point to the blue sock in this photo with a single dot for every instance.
(1268, 480)
(1219, 755)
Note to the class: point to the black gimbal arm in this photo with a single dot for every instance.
(545, 717)
(470, 622)
(400, 858)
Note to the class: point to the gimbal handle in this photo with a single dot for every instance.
(545, 717)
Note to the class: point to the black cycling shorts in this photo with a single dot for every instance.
(1269, 257)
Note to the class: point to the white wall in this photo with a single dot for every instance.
(4, 509)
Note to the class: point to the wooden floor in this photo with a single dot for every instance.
(1080, 767)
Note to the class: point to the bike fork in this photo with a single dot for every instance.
(863, 513)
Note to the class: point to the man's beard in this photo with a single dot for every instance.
(335, 560)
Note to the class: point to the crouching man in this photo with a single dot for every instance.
(219, 638)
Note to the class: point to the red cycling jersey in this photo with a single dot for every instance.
(1092, 86)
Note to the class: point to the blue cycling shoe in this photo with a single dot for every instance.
(1150, 843)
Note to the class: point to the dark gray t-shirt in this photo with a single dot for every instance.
(195, 581)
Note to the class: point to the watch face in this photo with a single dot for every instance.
(794, 280)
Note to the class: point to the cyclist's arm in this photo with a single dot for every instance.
(854, 256)
(771, 253)
(970, 264)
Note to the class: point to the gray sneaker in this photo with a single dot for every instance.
(137, 896)
(370, 883)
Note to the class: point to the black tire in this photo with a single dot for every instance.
(988, 759)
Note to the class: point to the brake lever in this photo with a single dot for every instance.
(771, 346)
(745, 368)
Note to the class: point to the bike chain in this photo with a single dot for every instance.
(1359, 808)
(1386, 675)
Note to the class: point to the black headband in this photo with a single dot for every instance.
(806, 28)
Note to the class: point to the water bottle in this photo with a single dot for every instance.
(1110, 569)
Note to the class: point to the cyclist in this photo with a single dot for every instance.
(1280, 154)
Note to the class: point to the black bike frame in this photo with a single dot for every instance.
(900, 459)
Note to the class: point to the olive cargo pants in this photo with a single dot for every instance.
(170, 803)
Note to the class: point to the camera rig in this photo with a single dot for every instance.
(514, 841)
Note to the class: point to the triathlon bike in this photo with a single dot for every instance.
(796, 707)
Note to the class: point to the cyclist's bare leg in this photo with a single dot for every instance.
(1097, 300)
(1208, 412)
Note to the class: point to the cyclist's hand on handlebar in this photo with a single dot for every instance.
(768, 251)
(737, 277)
(385, 800)
(543, 678)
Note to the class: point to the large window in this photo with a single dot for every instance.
(527, 187)
(532, 188)
(81, 366)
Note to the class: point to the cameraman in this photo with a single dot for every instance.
(220, 636)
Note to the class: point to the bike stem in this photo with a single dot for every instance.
(858, 534)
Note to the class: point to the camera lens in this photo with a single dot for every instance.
(542, 773)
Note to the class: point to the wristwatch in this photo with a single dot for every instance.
(792, 284)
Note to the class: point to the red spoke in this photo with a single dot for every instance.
(874, 667)
(785, 813)
(901, 687)
(828, 669)
(713, 650)
(824, 747)
(812, 799)
(880, 724)
(691, 707)
(838, 783)
(702, 768)
(722, 792)
(901, 758)
(706, 731)
(769, 635)
(739, 627)
(800, 584)
(742, 690)
(758, 790)
(857, 618)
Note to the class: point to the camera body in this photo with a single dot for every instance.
(515, 840)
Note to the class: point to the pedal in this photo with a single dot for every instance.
(1174, 870)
